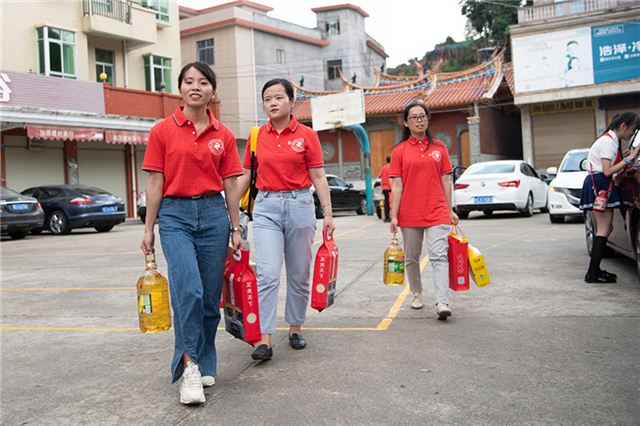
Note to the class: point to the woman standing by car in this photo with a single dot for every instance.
(421, 203)
(191, 158)
(289, 160)
(606, 161)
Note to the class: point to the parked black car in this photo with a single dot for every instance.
(343, 197)
(67, 207)
(19, 214)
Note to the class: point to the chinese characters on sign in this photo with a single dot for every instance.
(616, 51)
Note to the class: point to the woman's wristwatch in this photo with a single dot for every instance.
(235, 229)
(627, 161)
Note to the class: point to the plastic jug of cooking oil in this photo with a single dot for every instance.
(393, 263)
(154, 309)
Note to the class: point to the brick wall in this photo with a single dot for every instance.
(448, 122)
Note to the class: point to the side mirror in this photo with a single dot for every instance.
(349, 185)
(552, 171)
(583, 164)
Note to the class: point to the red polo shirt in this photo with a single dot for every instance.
(192, 164)
(284, 159)
(423, 202)
(384, 177)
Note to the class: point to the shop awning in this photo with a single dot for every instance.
(123, 136)
(53, 133)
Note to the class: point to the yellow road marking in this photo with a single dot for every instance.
(395, 309)
(33, 289)
(341, 234)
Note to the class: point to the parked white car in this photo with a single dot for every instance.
(565, 189)
(500, 185)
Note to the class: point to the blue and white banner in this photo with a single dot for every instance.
(616, 51)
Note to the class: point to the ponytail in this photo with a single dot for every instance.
(627, 118)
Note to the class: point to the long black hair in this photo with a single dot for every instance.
(288, 88)
(405, 114)
(203, 68)
(627, 118)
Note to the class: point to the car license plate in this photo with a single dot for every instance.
(483, 200)
(108, 209)
(20, 207)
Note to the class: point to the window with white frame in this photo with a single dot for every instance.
(333, 67)
(105, 64)
(332, 25)
(157, 73)
(279, 56)
(56, 52)
(206, 51)
(160, 6)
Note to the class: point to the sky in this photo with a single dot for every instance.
(406, 28)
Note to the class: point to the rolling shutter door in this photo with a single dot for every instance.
(27, 168)
(103, 165)
(612, 112)
(555, 134)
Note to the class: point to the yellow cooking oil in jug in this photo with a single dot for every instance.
(394, 263)
(154, 309)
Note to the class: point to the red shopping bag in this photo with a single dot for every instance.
(240, 295)
(325, 273)
(458, 260)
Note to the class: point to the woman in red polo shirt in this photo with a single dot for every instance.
(289, 160)
(421, 203)
(191, 158)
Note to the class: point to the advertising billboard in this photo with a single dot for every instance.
(577, 57)
(616, 51)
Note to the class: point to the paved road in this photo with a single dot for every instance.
(537, 346)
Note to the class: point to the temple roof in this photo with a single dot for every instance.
(438, 90)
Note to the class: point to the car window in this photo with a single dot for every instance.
(341, 183)
(487, 169)
(571, 162)
(6, 192)
(41, 194)
(90, 191)
(331, 181)
(529, 171)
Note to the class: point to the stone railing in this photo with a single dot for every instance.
(568, 8)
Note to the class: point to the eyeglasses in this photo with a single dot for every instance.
(422, 117)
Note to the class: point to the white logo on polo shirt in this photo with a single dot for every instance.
(216, 146)
(297, 145)
(436, 155)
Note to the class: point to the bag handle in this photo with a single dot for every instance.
(325, 235)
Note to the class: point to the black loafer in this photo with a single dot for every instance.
(609, 275)
(598, 279)
(262, 353)
(297, 341)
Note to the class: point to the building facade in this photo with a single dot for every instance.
(90, 80)
(246, 48)
(576, 64)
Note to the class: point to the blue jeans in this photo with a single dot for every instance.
(284, 225)
(195, 235)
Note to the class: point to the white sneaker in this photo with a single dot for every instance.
(443, 310)
(416, 302)
(191, 391)
(208, 381)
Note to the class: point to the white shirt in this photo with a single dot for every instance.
(606, 146)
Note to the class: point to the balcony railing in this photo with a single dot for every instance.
(115, 9)
(568, 8)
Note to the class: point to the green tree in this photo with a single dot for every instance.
(491, 19)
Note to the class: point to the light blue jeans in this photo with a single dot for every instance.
(284, 225)
(195, 235)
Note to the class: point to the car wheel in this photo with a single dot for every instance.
(18, 235)
(488, 212)
(379, 212)
(589, 230)
(363, 206)
(104, 228)
(545, 209)
(462, 215)
(556, 218)
(58, 223)
(142, 217)
(528, 210)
